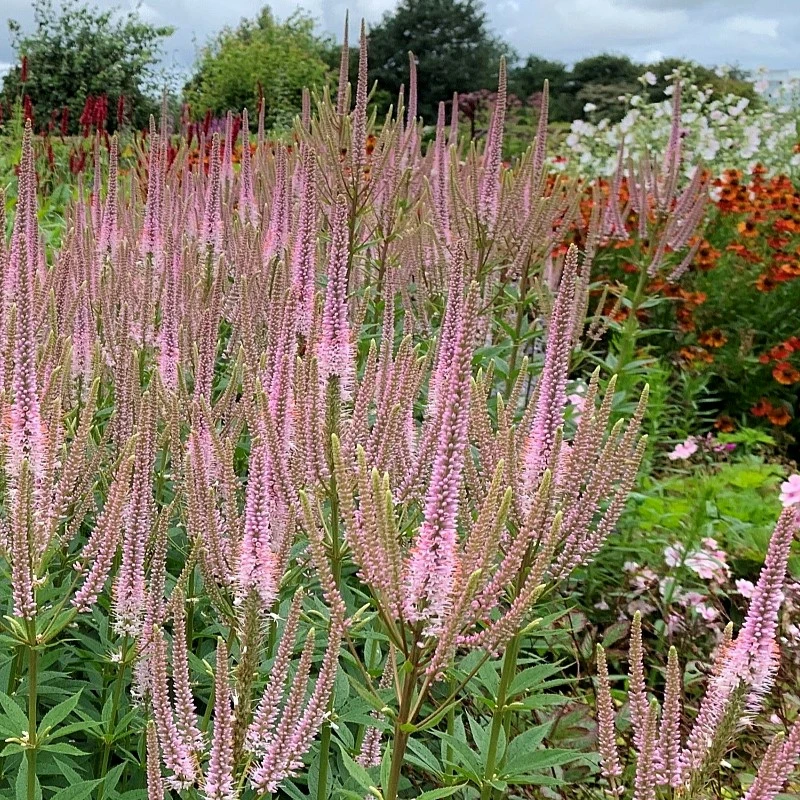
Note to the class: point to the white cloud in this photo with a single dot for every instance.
(605, 19)
(752, 26)
(710, 31)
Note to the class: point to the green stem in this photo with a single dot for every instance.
(400, 741)
(521, 305)
(336, 567)
(631, 328)
(324, 756)
(498, 715)
(33, 665)
(112, 721)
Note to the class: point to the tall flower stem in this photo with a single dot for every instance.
(630, 330)
(33, 666)
(401, 732)
(522, 302)
(331, 425)
(119, 684)
(499, 715)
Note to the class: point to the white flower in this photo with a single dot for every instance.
(589, 107)
(649, 78)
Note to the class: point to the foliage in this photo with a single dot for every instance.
(262, 57)
(75, 52)
(451, 41)
(720, 130)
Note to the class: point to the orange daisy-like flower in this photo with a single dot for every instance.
(762, 408)
(724, 424)
(780, 416)
(747, 228)
(765, 283)
(780, 351)
(693, 354)
(785, 373)
(788, 271)
(713, 338)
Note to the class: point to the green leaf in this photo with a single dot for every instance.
(21, 785)
(78, 791)
(421, 756)
(59, 713)
(465, 755)
(356, 771)
(480, 735)
(13, 720)
(520, 747)
(536, 760)
(447, 791)
(64, 749)
(528, 678)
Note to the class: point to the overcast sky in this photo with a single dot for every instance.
(751, 33)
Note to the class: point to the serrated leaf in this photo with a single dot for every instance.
(16, 722)
(446, 791)
(59, 713)
(78, 791)
(533, 676)
(63, 748)
(520, 746)
(356, 771)
(479, 735)
(536, 760)
(21, 784)
(420, 755)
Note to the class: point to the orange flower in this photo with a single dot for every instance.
(780, 351)
(780, 416)
(765, 282)
(691, 354)
(788, 271)
(762, 408)
(724, 424)
(785, 373)
(747, 228)
(713, 338)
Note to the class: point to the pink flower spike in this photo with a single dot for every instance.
(219, 783)
(335, 347)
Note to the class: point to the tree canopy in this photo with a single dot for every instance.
(450, 39)
(260, 57)
(75, 51)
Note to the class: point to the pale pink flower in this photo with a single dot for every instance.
(790, 491)
(745, 588)
(684, 450)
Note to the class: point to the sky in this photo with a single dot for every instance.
(750, 33)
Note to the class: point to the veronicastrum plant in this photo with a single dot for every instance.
(666, 764)
(279, 476)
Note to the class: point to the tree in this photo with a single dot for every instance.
(528, 79)
(76, 51)
(260, 56)
(451, 41)
(731, 81)
(601, 79)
